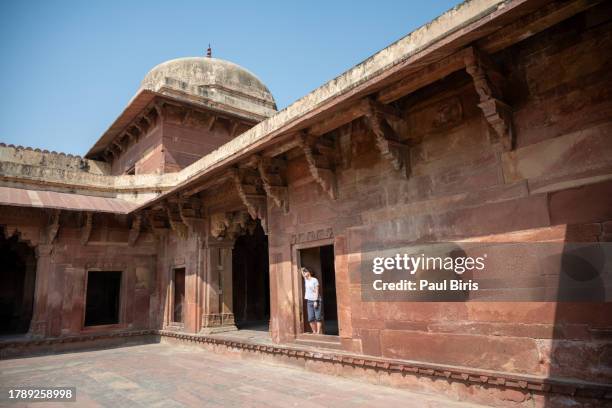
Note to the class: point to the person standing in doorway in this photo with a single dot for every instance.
(313, 300)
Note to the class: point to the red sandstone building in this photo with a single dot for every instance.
(189, 218)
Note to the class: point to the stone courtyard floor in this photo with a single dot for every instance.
(163, 375)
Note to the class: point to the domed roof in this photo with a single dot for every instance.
(213, 82)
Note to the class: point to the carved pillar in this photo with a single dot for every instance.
(39, 326)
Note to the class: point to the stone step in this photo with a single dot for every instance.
(319, 341)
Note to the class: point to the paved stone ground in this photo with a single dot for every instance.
(161, 375)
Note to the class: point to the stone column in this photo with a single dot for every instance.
(218, 313)
(39, 326)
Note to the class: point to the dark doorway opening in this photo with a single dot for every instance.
(179, 295)
(251, 281)
(103, 297)
(320, 260)
(17, 280)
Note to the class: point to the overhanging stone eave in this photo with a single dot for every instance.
(203, 103)
(134, 107)
(45, 199)
(144, 97)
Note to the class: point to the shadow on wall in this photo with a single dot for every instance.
(581, 341)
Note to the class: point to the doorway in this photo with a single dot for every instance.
(178, 297)
(17, 280)
(320, 260)
(251, 281)
(102, 302)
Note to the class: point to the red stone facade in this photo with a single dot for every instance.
(542, 174)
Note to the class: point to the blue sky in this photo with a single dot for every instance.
(68, 68)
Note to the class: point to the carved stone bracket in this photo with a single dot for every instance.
(154, 223)
(497, 113)
(278, 194)
(184, 219)
(177, 225)
(158, 107)
(254, 203)
(212, 119)
(387, 141)
(86, 229)
(53, 227)
(135, 229)
(326, 178)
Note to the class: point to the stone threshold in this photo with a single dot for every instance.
(23, 347)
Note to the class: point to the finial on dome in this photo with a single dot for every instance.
(209, 51)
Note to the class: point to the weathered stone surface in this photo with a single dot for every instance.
(554, 186)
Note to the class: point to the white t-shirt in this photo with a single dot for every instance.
(311, 285)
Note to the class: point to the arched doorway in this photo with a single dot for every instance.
(251, 280)
(17, 283)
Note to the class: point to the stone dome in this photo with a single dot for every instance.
(213, 82)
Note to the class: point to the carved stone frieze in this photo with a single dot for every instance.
(300, 238)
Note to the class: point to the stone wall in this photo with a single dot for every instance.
(555, 185)
(63, 261)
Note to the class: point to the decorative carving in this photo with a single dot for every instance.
(186, 221)
(158, 107)
(449, 113)
(219, 224)
(157, 230)
(231, 225)
(187, 116)
(131, 136)
(386, 140)
(109, 155)
(181, 230)
(137, 126)
(278, 194)
(117, 144)
(254, 203)
(219, 320)
(233, 129)
(324, 177)
(497, 113)
(312, 236)
(86, 229)
(135, 229)
(211, 122)
(147, 119)
(53, 227)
